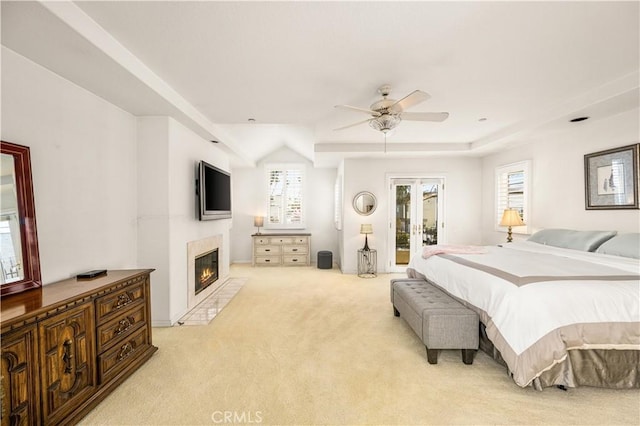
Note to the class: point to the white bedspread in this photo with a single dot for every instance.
(539, 301)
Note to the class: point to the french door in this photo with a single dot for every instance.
(416, 218)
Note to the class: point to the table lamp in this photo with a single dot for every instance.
(366, 229)
(511, 217)
(258, 221)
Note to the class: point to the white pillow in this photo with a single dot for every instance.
(576, 240)
(625, 245)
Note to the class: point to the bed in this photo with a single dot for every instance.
(555, 313)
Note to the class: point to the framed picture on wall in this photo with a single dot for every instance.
(611, 178)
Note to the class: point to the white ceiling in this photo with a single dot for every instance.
(524, 66)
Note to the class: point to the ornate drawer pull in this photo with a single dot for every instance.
(267, 249)
(267, 260)
(123, 325)
(67, 357)
(123, 300)
(294, 250)
(295, 260)
(125, 351)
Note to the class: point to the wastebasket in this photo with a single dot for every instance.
(325, 259)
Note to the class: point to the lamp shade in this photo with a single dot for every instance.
(366, 229)
(258, 221)
(511, 217)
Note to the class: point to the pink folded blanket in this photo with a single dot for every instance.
(428, 251)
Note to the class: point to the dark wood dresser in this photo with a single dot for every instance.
(67, 345)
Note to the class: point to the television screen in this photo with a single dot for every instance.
(214, 189)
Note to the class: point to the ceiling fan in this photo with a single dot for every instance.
(387, 113)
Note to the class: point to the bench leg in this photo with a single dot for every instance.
(396, 313)
(432, 355)
(467, 356)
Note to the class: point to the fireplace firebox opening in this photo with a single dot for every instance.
(206, 270)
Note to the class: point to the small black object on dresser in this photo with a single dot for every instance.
(92, 274)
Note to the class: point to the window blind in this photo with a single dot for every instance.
(286, 197)
(512, 191)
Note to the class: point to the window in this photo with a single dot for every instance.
(285, 202)
(512, 192)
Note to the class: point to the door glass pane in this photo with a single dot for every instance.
(429, 214)
(403, 224)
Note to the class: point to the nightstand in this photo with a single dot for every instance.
(367, 263)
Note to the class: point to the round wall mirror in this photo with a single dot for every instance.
(364, 203)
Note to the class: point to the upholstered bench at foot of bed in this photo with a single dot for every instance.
(439, 320)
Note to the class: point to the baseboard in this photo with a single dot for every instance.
(162, 323)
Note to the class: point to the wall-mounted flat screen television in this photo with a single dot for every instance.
(214, 192)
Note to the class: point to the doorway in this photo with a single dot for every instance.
(416, 217)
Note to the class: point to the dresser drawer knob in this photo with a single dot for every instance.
(123, 325)
(125, 351)
(123, 300)
(67, 356)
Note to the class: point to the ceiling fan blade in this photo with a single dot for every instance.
(424, 116)
(352, 108)
(354, 124)
(413, 98)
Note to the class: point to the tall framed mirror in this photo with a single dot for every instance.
(19, 255)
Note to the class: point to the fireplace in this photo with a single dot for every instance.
(206, 253)
(206, 270)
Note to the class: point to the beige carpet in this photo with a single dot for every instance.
(306, 346)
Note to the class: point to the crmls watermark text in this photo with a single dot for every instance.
(244, 417)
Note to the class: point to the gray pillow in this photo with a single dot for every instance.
(625, 245)
(576, 240)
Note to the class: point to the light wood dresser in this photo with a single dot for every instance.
(67, 345)
(281, 249)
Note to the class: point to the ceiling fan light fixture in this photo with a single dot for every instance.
(388, 113)
(385, 122)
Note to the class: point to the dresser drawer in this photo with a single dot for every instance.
(121, 326)
(301, 240)
(295, 249)
(115, 359)
(261, 240)
(112, 304)
(295, 259)
(282, 240)
(268, 250)
(268, 260)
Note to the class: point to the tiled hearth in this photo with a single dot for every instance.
(207, 310)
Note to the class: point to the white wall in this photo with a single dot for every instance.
(249, 200)
(168, 155)
(557, 197)
(461, 198)
(83, 153)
